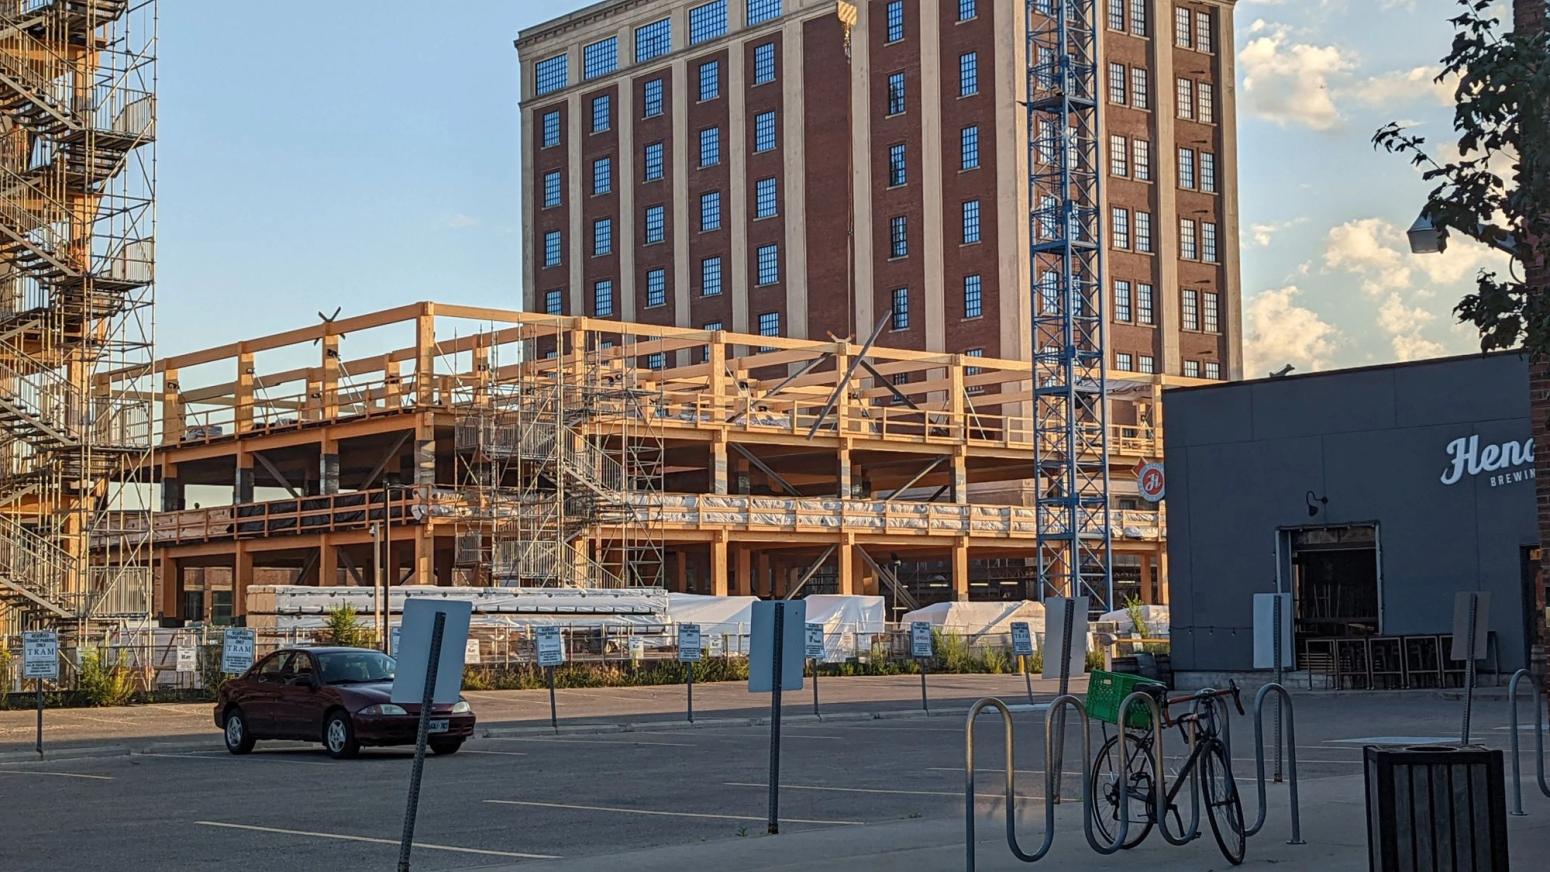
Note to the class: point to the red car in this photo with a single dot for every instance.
(337, 696)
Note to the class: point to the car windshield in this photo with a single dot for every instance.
(355, 667)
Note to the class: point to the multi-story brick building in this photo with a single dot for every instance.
(806, 167)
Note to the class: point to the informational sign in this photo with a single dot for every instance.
(415, 652)
(551, 646)
(1022, 639)
(40, 654)
(393, 635)
(187, 659)
(688, 643)
(1151, 482)
(761, 647)
(637, 647)
(1056, 640)
(1460, 649)
(471, 651)
(716, 644)
(1264, 635)
(920, 639)
(814, 646)
(237, 650)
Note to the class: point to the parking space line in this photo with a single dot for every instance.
(546, 740)
(880, 790)
(217, 755)
(647, 811)
(496, 753)
(55, 774)
(427, 846)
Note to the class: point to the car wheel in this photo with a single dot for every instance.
(448, 746)
(339, 736)
(239, 739)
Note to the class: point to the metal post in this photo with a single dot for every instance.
(1469, 668)
(816, 713)
(554, 717)
(1057, 765)
(379, 612)
(924, 706)
(689, 670)
(39, 683)
(426, 700)
(1027, 677)
(778, 652)
(1275, 632)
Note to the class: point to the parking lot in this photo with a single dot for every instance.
(532, 798)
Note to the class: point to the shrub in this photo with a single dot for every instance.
(341, 628)
(1136, 610)
(102, 684)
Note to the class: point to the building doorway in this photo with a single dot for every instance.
(1335, 580)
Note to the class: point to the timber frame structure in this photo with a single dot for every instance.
(711, 462)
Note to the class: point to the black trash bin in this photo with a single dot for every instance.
(1435, 807)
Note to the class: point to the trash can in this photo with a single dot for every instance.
(1435, 807)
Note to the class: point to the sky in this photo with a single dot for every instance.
(354, 155)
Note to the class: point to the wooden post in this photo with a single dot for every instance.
(424, 547)
(173, 423)
(242, 412)
(718, 463)
(171, 587)
(329, 375)
(718, 564)
(424, 355)
(328, 562)
(762, 579)
(961, 569)
(745, 585)
(393, 386)
(849, 581)
(241, 576)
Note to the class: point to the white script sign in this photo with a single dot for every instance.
(1514, 461)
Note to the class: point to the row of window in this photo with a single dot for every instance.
(895, 98)
(1196, 101)
(899, 236)
(1130, 157)
(1129, 86)
(1136, 23)
(1205, 180)
(1199, 311)
(1126, 361)
(1120, 230)
(1198, 36)
(1213, 369)
(655, 223)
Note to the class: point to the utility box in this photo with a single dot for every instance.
(1435, 807)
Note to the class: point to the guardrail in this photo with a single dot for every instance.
(1539, 741)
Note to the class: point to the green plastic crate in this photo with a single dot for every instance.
(1105, 692)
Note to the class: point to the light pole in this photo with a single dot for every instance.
(376, 585)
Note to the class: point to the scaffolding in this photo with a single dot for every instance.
(77, 216)
(1065, 235)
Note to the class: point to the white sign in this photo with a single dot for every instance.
(688, 643)
(761, 645)
(814, 646)
(1055, 640)
(1460, 649)
(40, 654)
(1264, 637)
(920, 638)
(237, 650)
(718, 645)
(471, 651)
(393, 635)
(1513, 460)
(551, 646)
(414, 651)
(1022, 639)
(187, 660)
(1151, 482)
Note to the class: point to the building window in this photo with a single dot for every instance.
(1141, 159)
(1122, 311)
(898, 237)
(764, 63)
(760, 11)
(552, 302)
(1208, 241)
(769, 324)
(1045, 142)
(710, 80)
(895, 93)
(1119, 219)
(1181, 27)
(710, 278)
(897, 173)
(1119, 156)
(902, 378)
(1046, 215)
(651, 102)
(1186, 98)
(1206, 98)
(1208, 172)
(551, 189)
(1146, 364)
(973, 297)
(656, 224)
(895, 17)
(552, 248)
(764, 132)
(968, 74)
(1138, 88)
(1210, 314)
(1138, 17)
(971, 222)
(603, 298)
(707, 22)
(656, 289)
(656, 360)
(710, 327)
(1145, 314)
(1116, 14)
(1144, 232)
(1123, 361)
(551, 124)
(1187, 168)
(764, 205)
(1213, 370)
(602, 175)
(1189, 309)
(1203, 31)
(603, 236)
(710, 146)
(600, 58)
(1192, 369)
(967, 10)
(550, 75)
(1117, 84)
(1187, 240)
(972, 371)
(653, 40)
(602, 110)
(710, 211)
(969, 148)
(769, 264)
(901, 309)
(653, 162)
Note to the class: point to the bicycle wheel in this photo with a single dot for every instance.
(1105, 786)
(1223, 805)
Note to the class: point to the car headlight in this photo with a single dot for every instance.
(384, 708)
(461, 707)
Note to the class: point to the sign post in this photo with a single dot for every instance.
(551, 653)
(1066, 639)
(237, 650)
(775, 664)
(430, 672)
(1471, 629)
(1022, 648)
(40, 660)
(814, 652)
(1273, 648)
(920, 649)
(689, 654)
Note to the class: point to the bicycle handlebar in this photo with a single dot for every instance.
(1232, 691)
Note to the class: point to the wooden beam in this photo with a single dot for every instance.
(812, 570)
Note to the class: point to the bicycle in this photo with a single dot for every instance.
(1224, 808)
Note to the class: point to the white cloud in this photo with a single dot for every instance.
(1404, 325)
(1277, 331)
(1400, 87)
(1287, 82)
(1263, 234)
(1366, 247)
(460, 221)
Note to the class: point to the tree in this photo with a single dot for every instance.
(342, 629)
(1500, 118)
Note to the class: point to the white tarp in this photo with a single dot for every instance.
(1156, 618)
(849, 622)
(974, 619)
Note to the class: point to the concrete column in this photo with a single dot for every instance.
(718, 565)
(961, 569)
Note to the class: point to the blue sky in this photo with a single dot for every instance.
(314, 155)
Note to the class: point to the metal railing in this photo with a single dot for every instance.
(1290, 730)
(1539, 741)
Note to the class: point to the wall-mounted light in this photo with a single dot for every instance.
(1312, 498)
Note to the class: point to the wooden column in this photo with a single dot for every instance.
(242, 487)
(960, 474)
(243, 411)
(424, 549)
(329, 375)
(681, 559)
(745, 582)
(328, 563)
(241, 577)
(718, 463)
(763, 579)
(961, 569)
(424, 355)
(718, 564)
(842, 467)
(846, 577)
(328, 466)
(173, 422)
(392, 383)
(171, 600)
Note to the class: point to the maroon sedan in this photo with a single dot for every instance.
(339, 696)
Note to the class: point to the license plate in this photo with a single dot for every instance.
(438, 725)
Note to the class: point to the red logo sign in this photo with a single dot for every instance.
(1151, 482)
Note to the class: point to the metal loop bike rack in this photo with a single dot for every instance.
(1539, 741)
(1160, 775)
(1291, 759)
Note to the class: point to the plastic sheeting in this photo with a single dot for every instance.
(849, 623)
(976, 619)
(1156, 618)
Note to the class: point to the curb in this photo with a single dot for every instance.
(714, 723)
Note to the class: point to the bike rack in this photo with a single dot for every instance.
(1539, 741)
(1291, 759)
(1160, 789)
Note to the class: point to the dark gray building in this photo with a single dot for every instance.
(1372, 495)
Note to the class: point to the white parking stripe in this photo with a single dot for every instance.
(882, 790)
(647, 811)
(55, 774)
(497, 753)
(217, 755)
(591, 741)
(427, 846)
